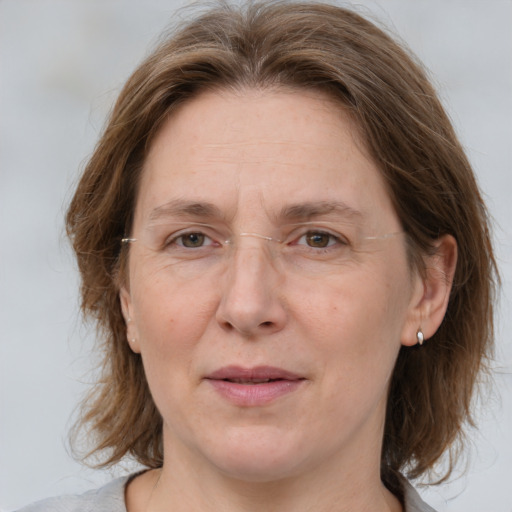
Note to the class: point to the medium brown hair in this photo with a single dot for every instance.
(406, 131)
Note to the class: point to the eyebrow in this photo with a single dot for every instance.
(182, 208)
(309, 210)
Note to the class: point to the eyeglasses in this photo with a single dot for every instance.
(193, 249)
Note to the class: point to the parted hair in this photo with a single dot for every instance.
(388, 94)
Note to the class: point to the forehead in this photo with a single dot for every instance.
(260, 150)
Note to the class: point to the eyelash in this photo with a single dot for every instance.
(333, 240)
(174, 240)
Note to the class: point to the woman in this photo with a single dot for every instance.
(285, 248)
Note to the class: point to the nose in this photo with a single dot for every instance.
(251, 301)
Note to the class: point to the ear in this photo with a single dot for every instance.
(431, 292)
(132, 334)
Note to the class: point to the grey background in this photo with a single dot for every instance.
(62, 63)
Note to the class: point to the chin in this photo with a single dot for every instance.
(258, 458)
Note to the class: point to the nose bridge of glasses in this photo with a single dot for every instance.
(270, 245)
(262, 237)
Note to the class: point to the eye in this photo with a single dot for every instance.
(192, 240)
(319, 239)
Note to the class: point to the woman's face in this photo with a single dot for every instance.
(269, 289)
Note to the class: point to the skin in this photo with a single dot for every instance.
(250, 153)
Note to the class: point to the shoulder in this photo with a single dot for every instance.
(413, 501)
(109, 498)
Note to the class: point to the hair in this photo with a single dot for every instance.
(404, 127)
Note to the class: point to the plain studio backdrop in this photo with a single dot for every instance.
(62, 64)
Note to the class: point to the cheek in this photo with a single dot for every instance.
(352, 306)
(356, 338)
(355, 323)
(170, 317)
(170, 324)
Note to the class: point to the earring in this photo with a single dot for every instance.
(419, 336)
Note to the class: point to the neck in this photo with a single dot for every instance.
(341, 480)
(181, 489)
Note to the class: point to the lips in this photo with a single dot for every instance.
(257, 386)
(253, 375)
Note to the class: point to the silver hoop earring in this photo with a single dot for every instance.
(419, 336)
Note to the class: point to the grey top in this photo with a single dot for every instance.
(110, 498)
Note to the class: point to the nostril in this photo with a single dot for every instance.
(266, 324)
(227, 326)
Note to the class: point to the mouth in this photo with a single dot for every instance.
(251, 376)
(250, 387)
(251, 382)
